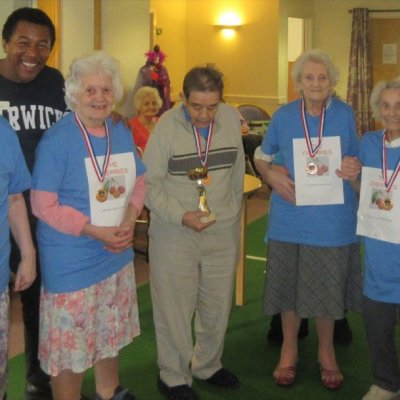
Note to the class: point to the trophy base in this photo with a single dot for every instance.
(208, 218)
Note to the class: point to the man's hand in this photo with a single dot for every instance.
(192, 219)
(278, 178)
(280, 181)
(117, 117)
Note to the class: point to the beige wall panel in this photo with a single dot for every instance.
(249, 60)
(170, 18)
(76, 30)
(332, 30)
(126, 36)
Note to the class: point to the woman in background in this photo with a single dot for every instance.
(88, 189)
(378, 222)
(147, 102)
(313, 255)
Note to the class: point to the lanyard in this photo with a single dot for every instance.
(197, 138)
(388, 180)
(100, 172)
(312, 151)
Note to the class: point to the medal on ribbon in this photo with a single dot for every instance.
(100, 171)
(312, 167)
(200, 175)
(388, 180)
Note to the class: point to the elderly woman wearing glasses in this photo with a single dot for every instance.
(87, 192)
(313, 260)
(378, 223)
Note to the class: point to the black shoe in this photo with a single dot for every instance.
(342, 334)
(275, 335)
(223, 379)
(181, 392)
(119, 394)
(40, 391)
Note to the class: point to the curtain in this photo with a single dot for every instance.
(360, 71)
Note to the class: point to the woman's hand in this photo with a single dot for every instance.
(117, 117)
(19, 225)
(26, 273)
(350, 168)
(125, 234)
(115, 239)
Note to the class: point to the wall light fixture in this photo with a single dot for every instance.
(229, 20)
(228, 23)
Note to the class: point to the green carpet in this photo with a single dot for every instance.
(246, 352)
(255, 245)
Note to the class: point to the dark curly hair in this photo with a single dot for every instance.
(32, 15)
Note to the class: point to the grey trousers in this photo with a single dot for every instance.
(380, 323)
(191, 281)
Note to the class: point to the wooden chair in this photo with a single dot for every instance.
(252, 114)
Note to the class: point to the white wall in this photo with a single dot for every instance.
(125, 31)
(76, 34)
(6, 8)
(295, 38)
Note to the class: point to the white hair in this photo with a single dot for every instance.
(96, 62)
(375, 99)
(317, 56)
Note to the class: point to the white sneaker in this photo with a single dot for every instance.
(377, 393)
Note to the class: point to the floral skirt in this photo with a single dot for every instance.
(77, 329)
(4, 323)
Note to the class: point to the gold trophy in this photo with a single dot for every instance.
(198, 175)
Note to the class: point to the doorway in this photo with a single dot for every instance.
(299, 40)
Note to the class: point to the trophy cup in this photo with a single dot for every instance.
(198, 175)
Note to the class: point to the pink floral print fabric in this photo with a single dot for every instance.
(79, 328)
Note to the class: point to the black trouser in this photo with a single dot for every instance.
(380, 324)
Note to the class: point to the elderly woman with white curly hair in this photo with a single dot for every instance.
(378, 223)
(313, 266)
(88, 189)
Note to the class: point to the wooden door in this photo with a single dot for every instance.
(291, 92)
(53, 9)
